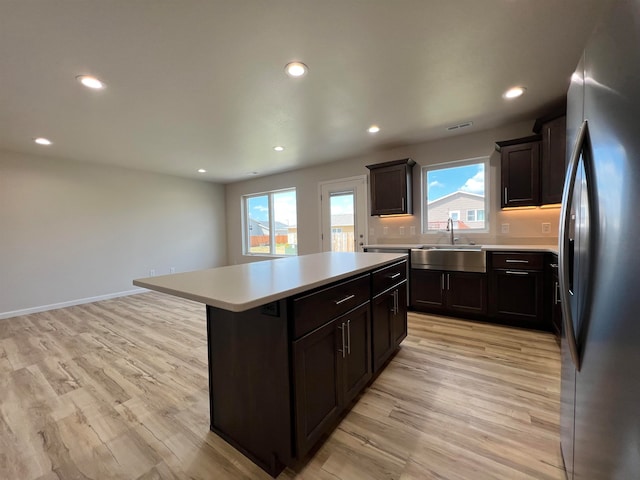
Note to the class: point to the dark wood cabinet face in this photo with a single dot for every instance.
(517, 296)
(466, 292)
(389, 323)
(399, 319)
(427, 289)
(391, 187)
(357, 359)
(520, 175)
(317, 383)
(554, 137)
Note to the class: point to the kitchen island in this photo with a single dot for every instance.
(292, 342)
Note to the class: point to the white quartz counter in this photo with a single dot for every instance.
(240, 287)
(489, 248)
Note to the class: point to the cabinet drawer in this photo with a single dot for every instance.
(315, 309)
(518, 260)
(387, 277)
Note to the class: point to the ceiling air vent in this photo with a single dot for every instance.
(458, 126)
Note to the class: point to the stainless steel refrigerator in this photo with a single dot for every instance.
(600, 255)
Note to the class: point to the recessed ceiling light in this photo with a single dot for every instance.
(202, 170)
(373, 129)
(296, 69)
(42, 141)
(514, 92)
(90, 82)
(278, 148)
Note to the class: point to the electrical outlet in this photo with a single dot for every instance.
(505, 228)
(401, 231)
(412, 229)
(172, 270)
(385, 230)
(152, 273)
(546, 227)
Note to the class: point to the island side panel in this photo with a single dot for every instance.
(249, 382)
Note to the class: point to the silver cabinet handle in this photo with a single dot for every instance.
(442, 281)
(395, 275)
(563, 257)
(395, 302)
(515, 272)
(344, 347)
(349, 337)
(349, 297)
(506, 197)
(556, 300)
(509, 260)
(553, 265)
(448, 281)
(403, 204)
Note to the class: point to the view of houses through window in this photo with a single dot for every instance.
(271, 223)
(456, 193)
(342, 222)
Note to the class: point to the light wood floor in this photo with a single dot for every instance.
(118, 390)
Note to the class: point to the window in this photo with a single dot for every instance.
(455, 191)
(270, 223)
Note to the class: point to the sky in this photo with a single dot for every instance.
(284, 205)
(468, 178)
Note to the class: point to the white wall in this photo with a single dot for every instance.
(73, 231)
(525, 226)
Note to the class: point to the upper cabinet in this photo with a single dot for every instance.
(533, 168)
(520, 172)
(391, 187)
(553, 155)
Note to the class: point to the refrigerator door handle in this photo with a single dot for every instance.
(563, 256)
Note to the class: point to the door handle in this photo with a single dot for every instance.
(344, 347)
(563, 257)
(349, 337)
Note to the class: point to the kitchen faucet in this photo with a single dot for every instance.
(450, 229)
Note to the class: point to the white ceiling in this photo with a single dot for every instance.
(201, 84)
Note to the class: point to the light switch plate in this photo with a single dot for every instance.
(412, 229)
(401, 231)
(505, 228)
(546, 227)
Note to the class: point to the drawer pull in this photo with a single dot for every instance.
(516, 261)
(349, 297)
(395, 275)
(553, 265)
(512, 272)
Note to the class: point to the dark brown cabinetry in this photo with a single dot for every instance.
(331, 366)
(516, 288)
(462, 293)
(533, 168)
(388, 312)
(552, 165)
(520, 172)
(391, 187)
(552, 295)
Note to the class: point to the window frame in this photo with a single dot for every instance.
(454, 164)
(246, 240)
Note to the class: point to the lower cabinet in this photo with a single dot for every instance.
(449, 292)
(516, 290)
(389, 320)
(331, 366)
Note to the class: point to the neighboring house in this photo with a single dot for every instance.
(342, 223)
(466, 209)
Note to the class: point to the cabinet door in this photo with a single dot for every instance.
(391, 189)
(517, 295)
(382, 315)
(466, 292)
(554, 137)
(427, 289)
(520, 174)
(356, 327)
(318, 384)
(399, 319)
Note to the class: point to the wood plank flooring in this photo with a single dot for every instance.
(118, 390)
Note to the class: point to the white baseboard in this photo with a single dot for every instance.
(54, 306)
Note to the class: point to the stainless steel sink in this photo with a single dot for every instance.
(458, 258)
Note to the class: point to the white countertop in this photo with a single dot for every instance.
(489, 248)
(240, 287)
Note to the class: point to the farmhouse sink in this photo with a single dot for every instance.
(456, 258)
